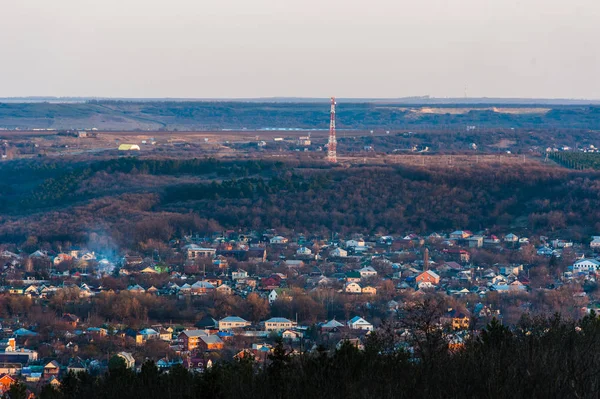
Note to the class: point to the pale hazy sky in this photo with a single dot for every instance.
(307, 48)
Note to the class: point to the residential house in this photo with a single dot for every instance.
(435, 237)
(358, 323)
(511, 238)
(545, 251)
(451, 267)
(367, 272)
(148, 270)
(196, 252)
(272, 296)
(190, 338)
(232, 322)
(51, 369)
(586, 266)
(6, 381)
(239, 274)
(152, 291)
(458, 255)
(359, 250)
(368, 290)
(352, 288)
(278, 240)
(76, 365)
(456, 319)
(595, 243)
(210, 343)
(201, 288)
(355, 243)
(271, 282)
(499, 280)
(128, 358)
(278, 294)
(102, 332)
(149, 333)
(353, 276)
(304, 251)
(428, 276)
(460, 235)
(475, 241)
(338, 253)
(136, 289)
(278, 324)
(491, 240)
(331, 326)
(517, 286)
(512, 269)
(558, 243)
(291, 335)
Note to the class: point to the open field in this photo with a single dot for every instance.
(466, 110)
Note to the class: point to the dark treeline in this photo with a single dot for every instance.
(402, 199)
(448, 139)
(577, 160)
(28, 185)
(539, 358)
(235, 115)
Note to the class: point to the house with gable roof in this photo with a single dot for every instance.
(358, 323)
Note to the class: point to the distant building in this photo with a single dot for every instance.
(428, 277)
(338, 253)
(128, 358)
(358, 323)
(232, 322)
(278, 240)
(586, 266)
(196, 252)
(129, 147)
(191, 338)
(278, 324)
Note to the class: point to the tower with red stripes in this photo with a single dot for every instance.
(332, 144)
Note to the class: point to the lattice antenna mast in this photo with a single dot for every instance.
(332, 144)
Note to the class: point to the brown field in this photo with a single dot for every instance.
(439, 160)
(213, 143)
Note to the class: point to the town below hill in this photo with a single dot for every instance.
(265, 299)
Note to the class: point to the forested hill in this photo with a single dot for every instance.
(178, 115)
(139, 200)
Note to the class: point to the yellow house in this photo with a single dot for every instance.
(278, 324)
(368, 290)
(456, 320)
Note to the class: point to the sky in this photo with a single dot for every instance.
(300, 48)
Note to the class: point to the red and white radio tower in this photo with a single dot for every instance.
(332, 144)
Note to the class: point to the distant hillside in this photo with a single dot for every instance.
(207, 115)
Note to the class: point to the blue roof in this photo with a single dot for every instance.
(24, 332)
(278, 320)
(233, 319)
